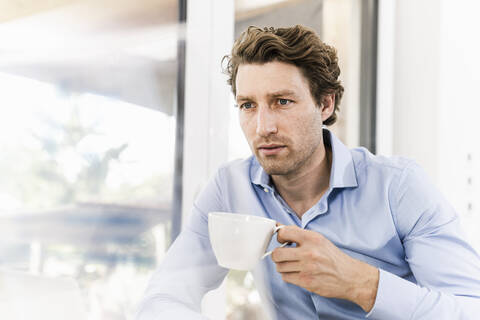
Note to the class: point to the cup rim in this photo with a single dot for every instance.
(239, 216)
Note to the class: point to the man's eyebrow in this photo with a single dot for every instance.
(271, 95)
(243, 98)
(282, 93)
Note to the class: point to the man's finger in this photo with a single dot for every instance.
(289, 266)
(291, 234)
(291, 277)
(285, 254)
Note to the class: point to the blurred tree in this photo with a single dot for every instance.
(86, 174)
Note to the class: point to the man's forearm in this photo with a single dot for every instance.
(164, 307)
(188, 271)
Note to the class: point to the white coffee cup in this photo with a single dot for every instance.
(239, 241)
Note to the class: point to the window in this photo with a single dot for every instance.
(87, 135)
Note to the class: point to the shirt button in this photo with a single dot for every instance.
(265, 189)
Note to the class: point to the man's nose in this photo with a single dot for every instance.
(266, 121)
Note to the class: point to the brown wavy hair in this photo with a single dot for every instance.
(296, 45)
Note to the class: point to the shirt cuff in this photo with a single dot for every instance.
(396, 298)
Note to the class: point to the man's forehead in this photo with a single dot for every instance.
(269, 79)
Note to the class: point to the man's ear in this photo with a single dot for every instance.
(327, 106)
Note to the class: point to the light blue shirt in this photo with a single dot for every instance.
(383, 211)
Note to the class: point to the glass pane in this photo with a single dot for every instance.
(87, 142)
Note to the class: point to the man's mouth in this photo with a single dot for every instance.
(270, 149)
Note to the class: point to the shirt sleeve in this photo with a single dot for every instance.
(189, 269)
(445, 266)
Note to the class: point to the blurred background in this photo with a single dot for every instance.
(115, 113)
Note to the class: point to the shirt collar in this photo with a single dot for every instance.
(342, 174)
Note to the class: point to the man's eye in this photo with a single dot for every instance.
(284, 102)
(246, 105)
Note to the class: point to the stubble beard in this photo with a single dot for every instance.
(292, 162)
(297, 155)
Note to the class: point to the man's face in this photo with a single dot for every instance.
(280, 119)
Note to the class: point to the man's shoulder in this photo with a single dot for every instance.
(236, 169)
(237, 165)
(364, 160)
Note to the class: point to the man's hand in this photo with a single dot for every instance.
(317, 265)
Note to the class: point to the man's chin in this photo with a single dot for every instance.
(274, 167)
(275, 172)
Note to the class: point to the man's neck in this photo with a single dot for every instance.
(304, 188)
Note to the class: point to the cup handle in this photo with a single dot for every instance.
(277, 228)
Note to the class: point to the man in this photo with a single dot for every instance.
(373, 237)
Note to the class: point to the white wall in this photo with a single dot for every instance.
(460, 111)
(434, 106)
